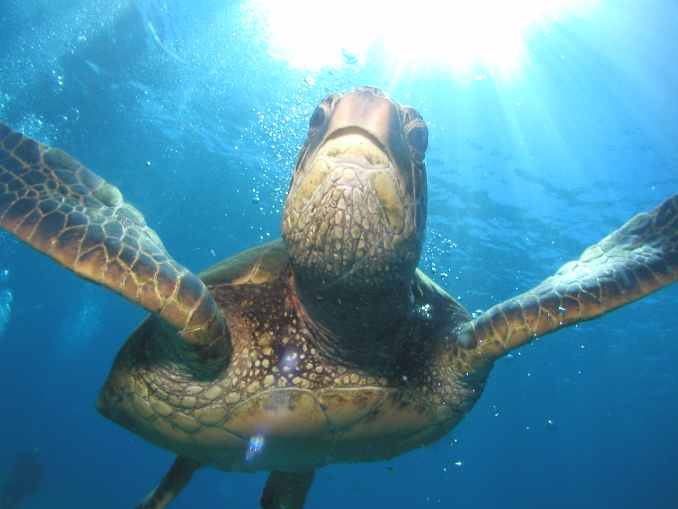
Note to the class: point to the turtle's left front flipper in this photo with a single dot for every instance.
(58, 206)
(635, 260)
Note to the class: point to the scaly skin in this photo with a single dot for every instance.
(639, 258)
(59, 207)
(310, 409)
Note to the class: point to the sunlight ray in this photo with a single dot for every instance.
(457, 34)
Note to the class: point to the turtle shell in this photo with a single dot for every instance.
(280, 403)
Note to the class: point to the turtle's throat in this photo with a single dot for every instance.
(354, 242)
(363, 328)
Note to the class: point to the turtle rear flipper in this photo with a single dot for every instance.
(171, 485)
(62, 209)
(633, 261)
(286, 490)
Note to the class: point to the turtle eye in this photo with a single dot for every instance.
(331, 100)
(317, 118)
(410, 114)
(417, 137)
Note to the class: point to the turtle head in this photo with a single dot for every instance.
(356, 208)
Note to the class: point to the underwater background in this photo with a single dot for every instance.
(191, 110)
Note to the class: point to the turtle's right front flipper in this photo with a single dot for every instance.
(59, 207)
(633, 261)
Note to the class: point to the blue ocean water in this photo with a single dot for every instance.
(183, 106)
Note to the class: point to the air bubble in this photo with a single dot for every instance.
(425, 311)
(6, 299)
(81, 328)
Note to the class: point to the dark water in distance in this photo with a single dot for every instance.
(199, 126)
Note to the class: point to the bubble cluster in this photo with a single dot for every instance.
(6, 299)
(81, 327)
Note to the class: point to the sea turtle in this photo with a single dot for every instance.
(328, 345)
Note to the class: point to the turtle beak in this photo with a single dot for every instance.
(368, 112)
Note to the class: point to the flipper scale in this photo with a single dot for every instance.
(633, 261)
(55, 204)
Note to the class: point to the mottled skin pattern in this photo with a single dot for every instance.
(633, 261)
(357, 215)
(59, 207)
(327, 346)
(310, 409)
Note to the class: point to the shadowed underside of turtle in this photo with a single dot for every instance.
(328, 345)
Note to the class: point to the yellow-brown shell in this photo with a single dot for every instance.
(280, 404)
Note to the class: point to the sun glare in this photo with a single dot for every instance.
(312, 34)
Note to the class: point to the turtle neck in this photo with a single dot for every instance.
(356, 326)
